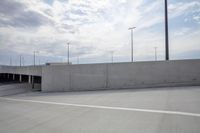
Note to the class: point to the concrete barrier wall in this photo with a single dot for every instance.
(55, 78)
(120, 75)
(88, 77)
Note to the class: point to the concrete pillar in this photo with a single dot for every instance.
(13, 77)
(20, 78)
(29, 79)
(33, 82)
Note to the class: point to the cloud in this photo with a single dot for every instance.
(16, 14)
(197, 18)
(94, 27)
(181, 8)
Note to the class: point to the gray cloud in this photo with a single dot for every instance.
(17, 15)
(8, 7)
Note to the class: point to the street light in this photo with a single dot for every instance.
(77, 59)
(155, 53)
(112, 58)
(20, 60)
(10, 61)
(132, 28)
(166, 33)
(68, 52)
(23, 61)
(34, 52)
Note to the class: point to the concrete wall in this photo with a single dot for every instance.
(55, 78)
(120, 75)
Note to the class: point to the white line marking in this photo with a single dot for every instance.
(107, 107)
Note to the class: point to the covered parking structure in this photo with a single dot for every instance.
(27, 74)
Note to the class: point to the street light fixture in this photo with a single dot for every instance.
(132, 28)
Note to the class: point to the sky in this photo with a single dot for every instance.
(95, 29)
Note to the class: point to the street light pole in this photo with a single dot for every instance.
(155, 53)
(68, 52)
(20, 60)
(23, 61)
(10, 61)
(166, 32)
(132, 28)
(34, 52)
(77, 59)
(34, 58)
(112, 58)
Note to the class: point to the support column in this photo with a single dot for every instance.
(33, 82)
(20, 78)
(13, 77)
(29, 79)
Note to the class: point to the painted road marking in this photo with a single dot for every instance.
(106, 107)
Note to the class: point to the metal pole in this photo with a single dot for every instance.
(112, 58)
(34, 58)
(166, 33)
(155, 53)
(68, 53)
(20, 60)
(132, 42)
(132, 45)
(78, 60)
(10, 61)
(23, 61)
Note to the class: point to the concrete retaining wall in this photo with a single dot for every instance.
(120, 75)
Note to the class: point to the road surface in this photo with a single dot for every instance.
(156, 110)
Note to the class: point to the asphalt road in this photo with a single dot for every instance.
(160, 110)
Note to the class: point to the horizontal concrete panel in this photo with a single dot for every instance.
(88, 77)
(153, 74)
(56, 78)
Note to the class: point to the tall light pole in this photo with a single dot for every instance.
(68, 52)
(23, 61)
(10, 61)
(20, 60)
(77, 59)
(34, 52)
(155, 53)
(112, 58)
(166, 32)
(132, 28)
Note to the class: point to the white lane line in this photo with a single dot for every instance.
(107, 107)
